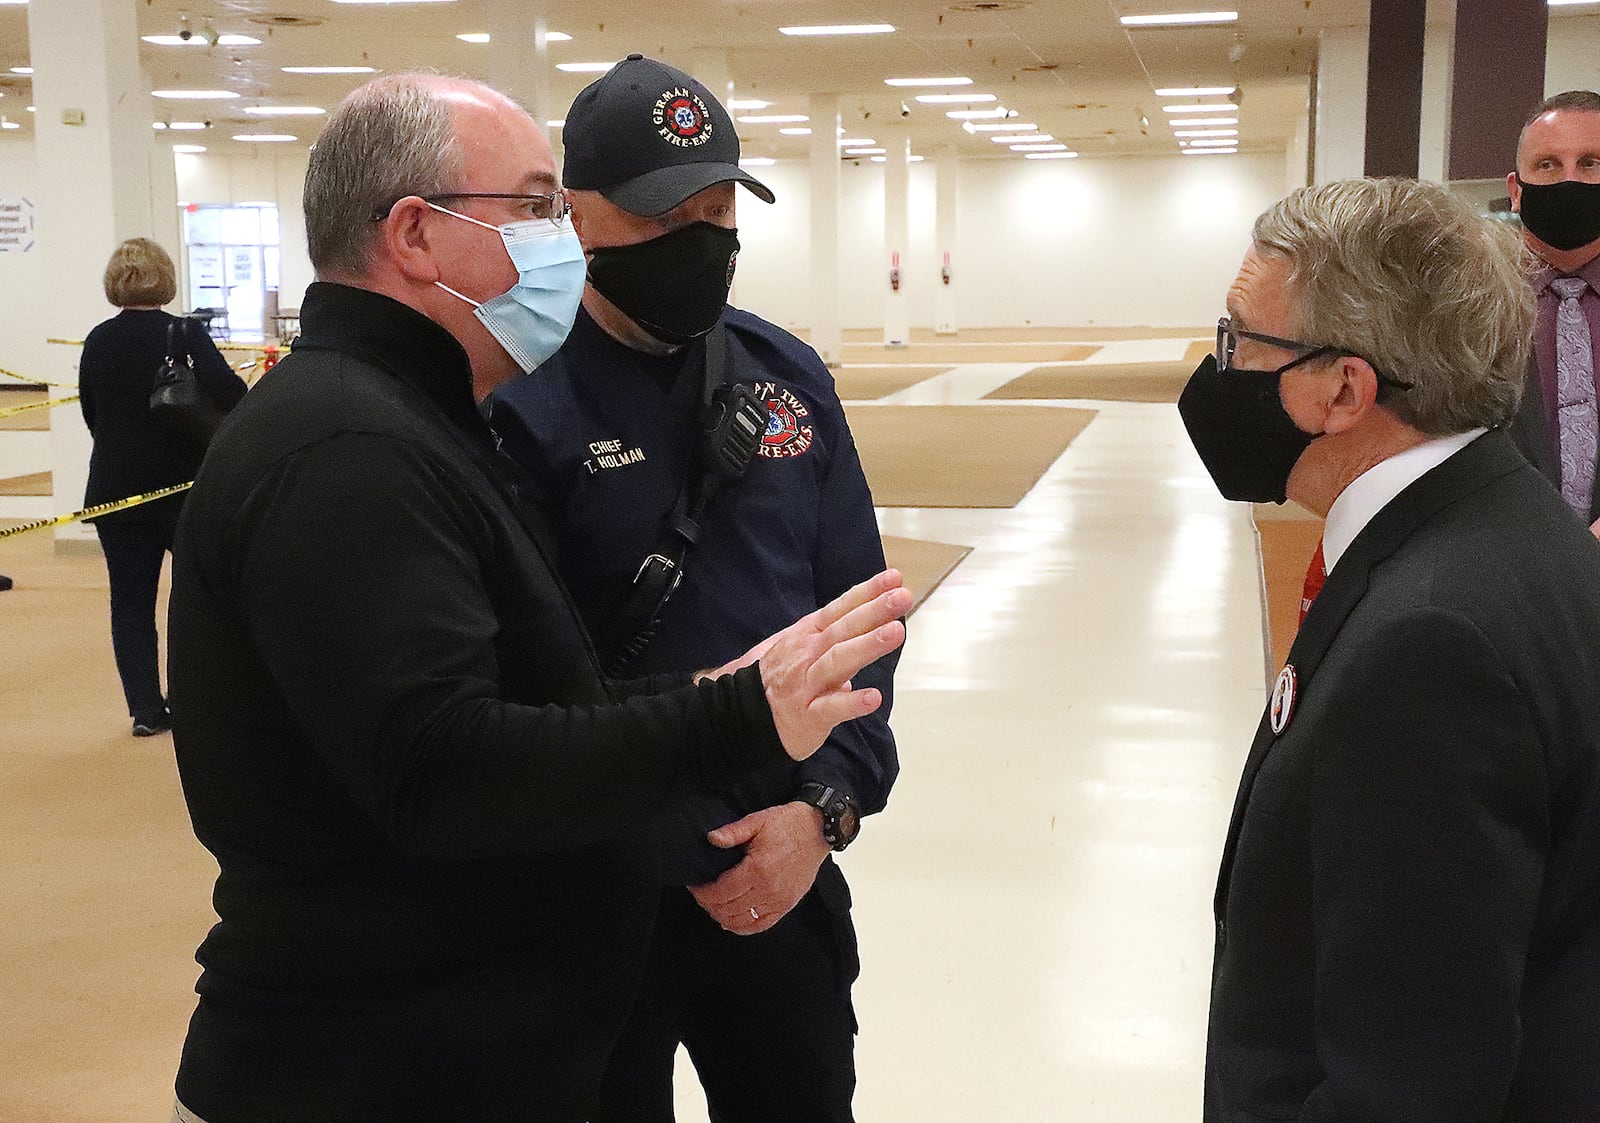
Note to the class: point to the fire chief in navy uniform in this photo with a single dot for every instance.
(675, 437)
(1408, 911)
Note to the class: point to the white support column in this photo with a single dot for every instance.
(92, 129)
(1438, 59)
(826, 337)
(897, 236)
(1341, 104)
(948, 187)
(519, 55)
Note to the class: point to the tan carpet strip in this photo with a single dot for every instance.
(951, 352)
(34, 483)
(925, 564)
(33, 420)
(868, 383)
(1106, 382)
(960, 456)
(1287, 544)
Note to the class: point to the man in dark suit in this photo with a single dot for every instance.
(1408, 911)
(1556, 191)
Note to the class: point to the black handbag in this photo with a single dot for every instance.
(179, 404)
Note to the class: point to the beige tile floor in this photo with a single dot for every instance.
(1074, 706)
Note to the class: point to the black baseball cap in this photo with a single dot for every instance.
(647, 136)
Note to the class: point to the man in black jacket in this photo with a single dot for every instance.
(1408, 912)
(392, 730)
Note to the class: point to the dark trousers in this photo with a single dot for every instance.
(134, 543)
(766, 1019)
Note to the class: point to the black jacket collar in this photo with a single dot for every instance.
(380, 330)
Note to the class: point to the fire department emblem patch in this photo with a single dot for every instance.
(787, 432)
(681, 118)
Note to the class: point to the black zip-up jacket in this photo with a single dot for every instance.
(393, 735)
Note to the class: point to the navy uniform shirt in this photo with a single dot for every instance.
(608, 434)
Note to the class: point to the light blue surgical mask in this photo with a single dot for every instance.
(532, 320)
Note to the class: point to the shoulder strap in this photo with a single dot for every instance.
(731, 424)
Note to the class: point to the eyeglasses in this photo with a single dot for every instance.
(1228, 338)
(551, 206)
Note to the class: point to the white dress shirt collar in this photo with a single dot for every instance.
(1372, 491)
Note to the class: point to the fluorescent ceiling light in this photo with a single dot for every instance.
(284, 111)
(1210, 152)
(1177, 19)
(329, 69)
(976, 114)
(841, 29)
(191, 149)
(1031, 138)
(228, 40)
(195, 95)
(1039, 148)
(953, 99)
(188, 126)
(585, 67)
(8, 123)
(774, 119)
(31, 109)
(265, 138)
(1049, 155)
(885, 159)
(796, 130)
(756, 161)
(856, 142)
(927, 81)
(865, 151)
(1205, 132)
(22, 70)
(1214, 107)
(1001, 127)
(747, 103)
(557, 37)
(1186, 122)
(473, 36)
(1195, 91)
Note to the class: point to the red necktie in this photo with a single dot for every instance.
(1316, 577)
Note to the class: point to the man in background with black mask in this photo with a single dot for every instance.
(1556, 190)
(696, 466)
(1405, 914)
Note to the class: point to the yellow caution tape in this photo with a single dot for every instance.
(37, 381)
(256, 348)
(51, 404)
(97, 510)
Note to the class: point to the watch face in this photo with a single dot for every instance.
(849, 824)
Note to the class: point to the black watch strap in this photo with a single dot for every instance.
(841, 818)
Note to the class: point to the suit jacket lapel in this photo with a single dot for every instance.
(1482, 462)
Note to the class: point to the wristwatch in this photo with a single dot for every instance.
(841, 819)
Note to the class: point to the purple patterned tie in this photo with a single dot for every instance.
(1575, 400)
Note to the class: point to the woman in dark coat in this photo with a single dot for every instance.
(132, 456)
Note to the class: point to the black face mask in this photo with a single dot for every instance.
(1244, 436)
(674, 286)
(1562, 215)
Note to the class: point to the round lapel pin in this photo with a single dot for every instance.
(1282, 708)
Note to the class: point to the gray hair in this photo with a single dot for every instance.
(1412, 279)
(392, 137)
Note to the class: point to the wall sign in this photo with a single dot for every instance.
(16, 224)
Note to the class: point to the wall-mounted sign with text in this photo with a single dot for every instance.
(16, 224)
